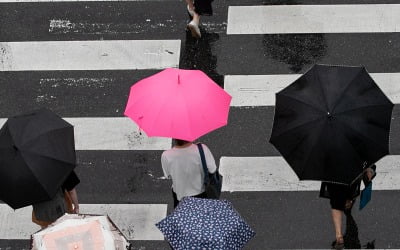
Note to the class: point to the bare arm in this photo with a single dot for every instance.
(74, 198)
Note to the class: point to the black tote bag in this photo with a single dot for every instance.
(212, 182)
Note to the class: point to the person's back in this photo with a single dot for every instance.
(51, 210)
(183, 165)
(65, 201)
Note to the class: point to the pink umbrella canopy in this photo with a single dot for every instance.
(178, 103)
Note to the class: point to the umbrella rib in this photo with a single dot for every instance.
(301, 101)
(46, 156)
(323, 92)
(361, 135)
(33, 173)
(363, 107)
(344, 91)
(188, 115)
(41, 134)
(300, 125)
(314, 142)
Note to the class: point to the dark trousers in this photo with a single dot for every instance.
(176, 202)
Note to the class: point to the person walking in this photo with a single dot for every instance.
(182, 164)
(342, 198)
(65, 201)
(195, 9)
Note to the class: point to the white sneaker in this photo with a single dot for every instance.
(194, 28)
(191, 12)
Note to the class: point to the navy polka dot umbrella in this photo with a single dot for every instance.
(205, 224)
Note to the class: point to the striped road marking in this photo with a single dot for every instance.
(259, 90)
(274, 174)
(136, 221)
(111, 133)
(279, 19)
(89, 55)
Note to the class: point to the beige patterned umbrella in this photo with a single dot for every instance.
(80, 232)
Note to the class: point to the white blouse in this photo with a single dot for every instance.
(183, 166)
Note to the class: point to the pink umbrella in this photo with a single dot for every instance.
(177, 103)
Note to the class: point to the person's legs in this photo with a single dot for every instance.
(193, 26)
(337, 222)
(190, 4)
(351, 235)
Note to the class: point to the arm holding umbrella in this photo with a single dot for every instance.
(369, 173)
(70, 192)
(74, 198)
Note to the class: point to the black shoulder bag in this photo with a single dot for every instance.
(212, 182)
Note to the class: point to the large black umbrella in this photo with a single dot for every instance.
(331, 122)
(37, 152)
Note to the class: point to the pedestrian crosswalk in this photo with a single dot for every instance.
(89, 55)
(251, 174)
(79, 59)
(259, 90)
(15, 224)
(342, 18)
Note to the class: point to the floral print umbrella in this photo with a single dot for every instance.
(205, 224)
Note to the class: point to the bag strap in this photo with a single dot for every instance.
(203, 162)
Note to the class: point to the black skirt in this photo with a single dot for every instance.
(203, 7)
(339, 194)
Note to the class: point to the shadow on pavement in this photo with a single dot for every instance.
(351, 238)
(296, 50)
(197, 54)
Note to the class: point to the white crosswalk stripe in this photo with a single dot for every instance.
(259, 90)
(274, 174)
(117, 133)
(89, 55)
(136, 221)
(345, 18)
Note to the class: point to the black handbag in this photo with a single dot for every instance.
(212, 182)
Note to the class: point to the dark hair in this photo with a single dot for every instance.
(180, 142)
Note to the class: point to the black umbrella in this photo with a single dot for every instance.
(331, 122)
(37, 152)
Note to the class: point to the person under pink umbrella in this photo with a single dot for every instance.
(182, 164)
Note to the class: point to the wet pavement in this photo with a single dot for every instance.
(134, 176)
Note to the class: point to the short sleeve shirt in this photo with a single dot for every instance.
(184, 167)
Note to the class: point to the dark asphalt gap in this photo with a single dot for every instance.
(296, 53)
(298, 220)
(301, 220)
(120, 20)
(69, 93)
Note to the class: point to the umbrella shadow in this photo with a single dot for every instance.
(296, 50)
(197, 54)
(351, 238)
